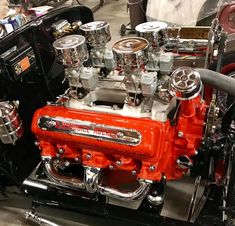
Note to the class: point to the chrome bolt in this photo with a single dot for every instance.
(217, 110)
(118, 163)
(152, 168)
(60, 151)
(66, 163)
(120, 135)
(36, 143)
(88, 156)
(180, 134)
(133, 172)
(111, 167)
(77, 159)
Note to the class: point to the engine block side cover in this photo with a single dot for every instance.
(142, 138)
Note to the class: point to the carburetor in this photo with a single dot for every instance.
(156, 34)
(97, 34)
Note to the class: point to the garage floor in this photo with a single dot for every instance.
(178, 193)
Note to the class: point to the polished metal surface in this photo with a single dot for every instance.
(71, 50)
(155, 32)
(186, 83)
(130, 54)
(91, 178)
(97, 33)
(139, 193)
(10, 124)
(90, 130)
(65, 181)
(156, 200)
(29, 215)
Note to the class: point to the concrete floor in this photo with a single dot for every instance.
(178, 194)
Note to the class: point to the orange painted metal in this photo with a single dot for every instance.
(156, 154)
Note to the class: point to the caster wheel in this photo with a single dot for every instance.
(123, 30)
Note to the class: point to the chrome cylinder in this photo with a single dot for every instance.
(65, 181)
(97, 33)
(155, 32)
(137, 194)
(131, 54)
(91, 178)
(29, 215)
(10, 124)
(71, 50)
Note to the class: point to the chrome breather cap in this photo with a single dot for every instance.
(186, 83)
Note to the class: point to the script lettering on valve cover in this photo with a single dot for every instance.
(90, 130)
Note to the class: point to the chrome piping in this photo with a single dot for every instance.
(29, 215)
(35, 184)
(91, 178)
(138, 194)
(91, 184)
(66, 181)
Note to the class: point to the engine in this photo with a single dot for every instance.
(127, 119)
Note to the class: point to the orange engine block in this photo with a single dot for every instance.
(147, 147)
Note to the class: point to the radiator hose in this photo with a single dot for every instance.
(217, 80)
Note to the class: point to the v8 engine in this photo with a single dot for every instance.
(138, 122)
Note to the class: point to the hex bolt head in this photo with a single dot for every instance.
(134, 172)
(111, 167)
(60, 150)
(77, 159)
(118, 163)
(180, 134)
(36, 143)
(88, 156)
(67, 163)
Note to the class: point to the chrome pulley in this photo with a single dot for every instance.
(186, 83)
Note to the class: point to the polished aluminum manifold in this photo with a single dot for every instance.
(10, 124)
